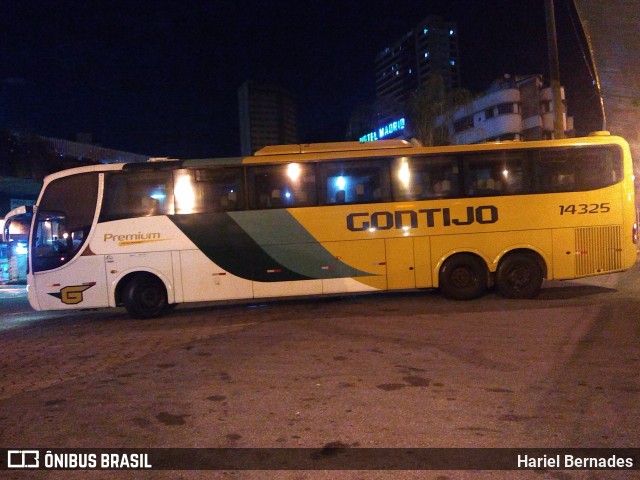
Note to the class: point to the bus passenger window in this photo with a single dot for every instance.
(553, 171)
(357, 181)
(418, 178)
(597, 167)
(209, 190)
(497, 173)
(137, 194)
(282, 186)
(576, 169)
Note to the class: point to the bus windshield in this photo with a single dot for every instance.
(63, 220)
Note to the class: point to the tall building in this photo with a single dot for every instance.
(268, 116)
(430, 48)
(513, 108)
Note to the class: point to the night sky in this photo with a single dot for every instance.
(161, 77)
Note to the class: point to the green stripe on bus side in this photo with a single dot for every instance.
(226, 244)
(272, 227)
(291, 245)
(265, 246)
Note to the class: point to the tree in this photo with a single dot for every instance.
(431, 109)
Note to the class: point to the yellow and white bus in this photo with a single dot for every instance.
(333, 218)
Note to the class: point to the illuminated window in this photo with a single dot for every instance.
(212, 190)
(417, 178)
(137, 194)
(499, 173)
(282, 186)
(355, 182)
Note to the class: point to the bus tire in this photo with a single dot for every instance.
(463, 277)
(145, 296)
(519, 275)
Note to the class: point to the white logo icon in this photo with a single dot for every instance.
(23, 458)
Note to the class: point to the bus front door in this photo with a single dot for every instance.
(64, 274)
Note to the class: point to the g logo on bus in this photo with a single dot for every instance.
(72, 295)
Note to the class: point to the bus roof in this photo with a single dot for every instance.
(341, 150)
(331, 147)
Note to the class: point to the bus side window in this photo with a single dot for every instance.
(553, 171)
(497, 173)
(282, 186)
(360, 181)
(137, 194)
(206, 190)
(417, 178)
(597, 168)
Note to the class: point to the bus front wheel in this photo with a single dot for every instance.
(519, 275)
(145, 296)
(463, 277)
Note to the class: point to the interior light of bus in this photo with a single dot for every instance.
(341, 182)
(185, 196)
(293, 171)
(287, 195)
(158, 196)
(505, 173)
(404, 174)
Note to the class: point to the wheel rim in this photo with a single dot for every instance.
(463, 277)
(519, 277)
(150, 297)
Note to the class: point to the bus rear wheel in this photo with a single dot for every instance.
(519, 275)
(145, 296)
(463, 277)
